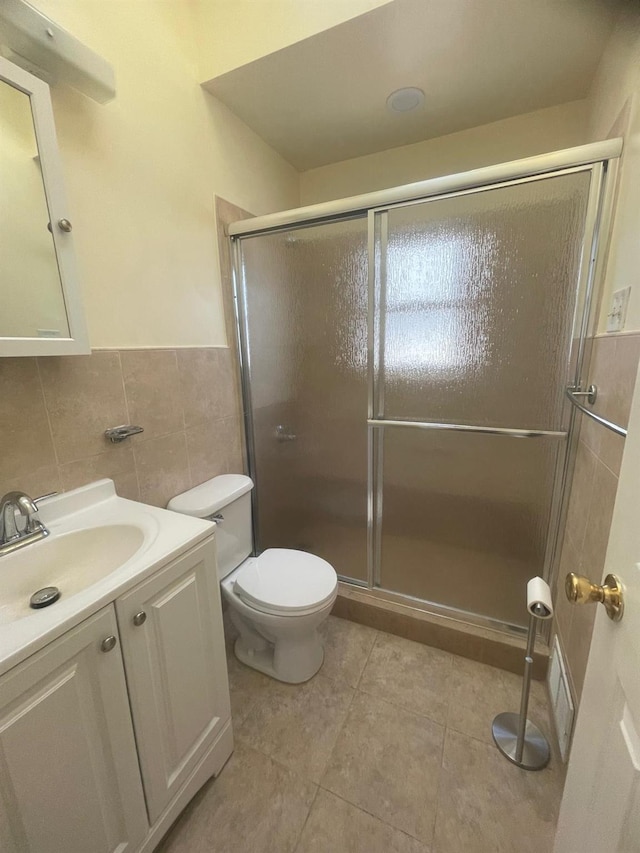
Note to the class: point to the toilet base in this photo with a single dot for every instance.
(287, 648)
(293, 667)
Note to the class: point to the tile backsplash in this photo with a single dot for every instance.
(54, 411)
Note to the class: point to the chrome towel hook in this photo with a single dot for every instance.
(119, 433)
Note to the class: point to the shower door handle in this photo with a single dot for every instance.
(283, 433)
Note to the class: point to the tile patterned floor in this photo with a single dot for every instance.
(387, 750)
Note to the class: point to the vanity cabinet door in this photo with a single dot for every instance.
(173, 648)
(69, 775)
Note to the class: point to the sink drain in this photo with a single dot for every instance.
(44, 597)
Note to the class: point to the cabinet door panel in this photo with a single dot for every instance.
(190, 699)
(69, 777)
(176, 669)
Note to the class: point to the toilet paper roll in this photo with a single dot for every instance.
(539, 598)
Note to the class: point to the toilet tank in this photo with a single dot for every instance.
(225, 499)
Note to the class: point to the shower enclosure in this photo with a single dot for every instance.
(405, 356)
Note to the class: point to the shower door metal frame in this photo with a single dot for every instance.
(244, 360)
(601, 159)
(528, 167)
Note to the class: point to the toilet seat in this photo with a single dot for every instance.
(285, 582)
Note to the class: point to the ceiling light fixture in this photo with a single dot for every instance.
(405, 100)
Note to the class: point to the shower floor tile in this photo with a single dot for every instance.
(388, 749)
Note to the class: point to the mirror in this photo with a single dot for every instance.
(40, 312)
(32, 300)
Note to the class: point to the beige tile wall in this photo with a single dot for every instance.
(54, 411)
(614, 364)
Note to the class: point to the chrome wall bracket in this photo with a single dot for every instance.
(591, 393)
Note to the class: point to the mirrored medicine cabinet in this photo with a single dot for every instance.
(40, 307)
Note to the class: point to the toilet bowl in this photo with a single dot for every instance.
(277, 600)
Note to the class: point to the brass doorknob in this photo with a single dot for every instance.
(581, 590)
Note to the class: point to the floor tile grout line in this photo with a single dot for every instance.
(402, 707)
(375, 816)
(337, 737)
(282, 763)
(441, 772)
(449, 694)
(373, 645)
(489, 743)
(306, 820)
(371, 814)
(359, 806)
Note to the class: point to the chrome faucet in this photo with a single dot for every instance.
(11, 537)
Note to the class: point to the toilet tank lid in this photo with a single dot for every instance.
(212, 495)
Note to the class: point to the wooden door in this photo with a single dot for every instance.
(600, 810)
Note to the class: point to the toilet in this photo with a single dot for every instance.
(278, 600)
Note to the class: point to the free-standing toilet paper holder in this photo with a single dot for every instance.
(517, 738)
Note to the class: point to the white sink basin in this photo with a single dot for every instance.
(71, 562)
(99, 547)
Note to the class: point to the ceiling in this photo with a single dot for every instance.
(323, 99)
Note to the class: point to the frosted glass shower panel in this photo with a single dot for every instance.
(477, 301)
(305, 295)
(465, 518)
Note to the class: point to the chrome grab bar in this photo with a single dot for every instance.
(591, 394)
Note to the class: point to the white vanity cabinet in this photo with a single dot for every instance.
(109, 731)
(69, 775)
(173, 648)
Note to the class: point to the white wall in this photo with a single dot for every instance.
(142, 172)
(614, 110)
(521, 136)
(233, 32)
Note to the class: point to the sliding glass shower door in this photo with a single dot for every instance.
(475, 302)
(304, 295)
(404, 373)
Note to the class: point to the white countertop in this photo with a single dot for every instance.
(166, 536)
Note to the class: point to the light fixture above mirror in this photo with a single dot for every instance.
(40, 46)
